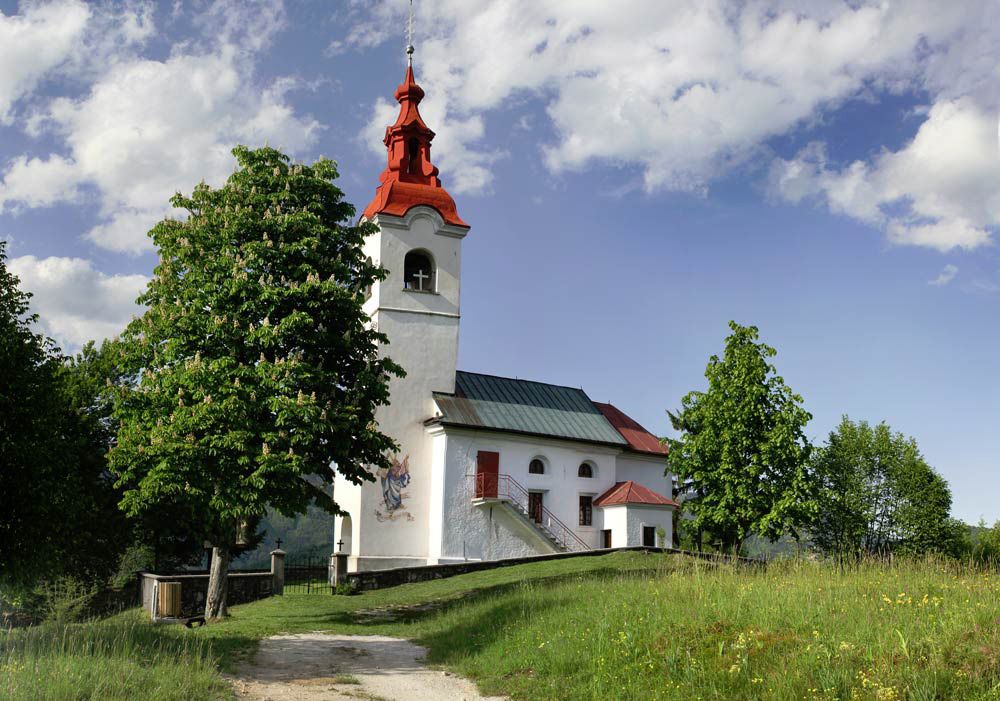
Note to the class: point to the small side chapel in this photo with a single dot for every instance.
(488, 467)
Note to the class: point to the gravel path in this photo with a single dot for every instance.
(321, 667)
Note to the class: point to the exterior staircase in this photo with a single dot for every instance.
(505, 490)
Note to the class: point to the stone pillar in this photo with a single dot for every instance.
(278, 572)
(338, 568)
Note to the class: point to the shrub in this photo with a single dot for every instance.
(63, 600)
(344, 589)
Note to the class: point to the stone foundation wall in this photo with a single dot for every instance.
(380, 579)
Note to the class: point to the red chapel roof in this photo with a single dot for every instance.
(639, 439)
(632, 493)
(409, 178)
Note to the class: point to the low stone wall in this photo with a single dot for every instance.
(244, 587)
(380, 579)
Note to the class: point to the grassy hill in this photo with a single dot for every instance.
(622, 626)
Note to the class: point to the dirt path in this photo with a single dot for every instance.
(321, 667)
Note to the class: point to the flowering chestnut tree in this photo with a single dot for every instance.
(256, 369)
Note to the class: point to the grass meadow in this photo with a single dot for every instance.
(620, 626)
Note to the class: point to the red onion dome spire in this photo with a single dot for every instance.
(410, 179)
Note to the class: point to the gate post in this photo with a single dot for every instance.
(338, 568)
(278, 572)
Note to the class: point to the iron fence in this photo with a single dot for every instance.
(307, 574)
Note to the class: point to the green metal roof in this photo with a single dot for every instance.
(506, 404)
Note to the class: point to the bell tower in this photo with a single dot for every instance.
(418, 241)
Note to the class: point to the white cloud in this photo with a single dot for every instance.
(941, 190)
(34, 182)
(75, 302)
(685, 91)
(688, 91)
(945, 276)
(148, 128)
(33, 43)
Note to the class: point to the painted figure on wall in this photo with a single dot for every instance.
(394, 480)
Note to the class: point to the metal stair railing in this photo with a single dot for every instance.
(501, 486)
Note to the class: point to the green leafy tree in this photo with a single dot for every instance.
(100, 531)
(257, 366)
(742, 454)
(158, 537)
(58, 505)
(29, 402)
(985, 545)
(879, 496)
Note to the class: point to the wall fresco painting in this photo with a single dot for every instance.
(393, 481)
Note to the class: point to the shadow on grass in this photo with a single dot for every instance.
(412, 613)
(408, 611)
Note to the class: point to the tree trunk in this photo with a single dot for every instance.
(218, 585)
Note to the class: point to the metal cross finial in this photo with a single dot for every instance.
(421, 277)
(409, 36)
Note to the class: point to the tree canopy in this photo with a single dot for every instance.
(879, 495)
(257, 367)
(28, 400)
(742, 455)
(58, 512)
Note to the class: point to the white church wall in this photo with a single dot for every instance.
(348, 498)
(471, 532)
(626, 522)
(437, 515)
(654, 516)
(392, 516)
(474, 532)
(422, 345)
(422, 228)
(647, 471)
(615, 519)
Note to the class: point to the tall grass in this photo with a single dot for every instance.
(123, 658)
(621, 626)
(799, 630)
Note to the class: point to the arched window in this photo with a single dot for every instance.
(418, 271)
(586, 470)
(536, 467)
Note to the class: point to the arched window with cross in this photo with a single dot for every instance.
(418, 271)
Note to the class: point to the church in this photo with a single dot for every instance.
(487, 467)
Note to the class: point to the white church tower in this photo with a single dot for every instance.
(419, 242)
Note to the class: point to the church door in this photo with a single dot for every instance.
(487, 474)
(535, 506)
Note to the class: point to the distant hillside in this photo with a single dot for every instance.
(309, 534)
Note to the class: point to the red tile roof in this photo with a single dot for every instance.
(632, 493)
(639, 439)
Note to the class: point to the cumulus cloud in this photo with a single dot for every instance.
(34, 182)
(75, 302)
(65, 37)
(945, 276)
(687, 91)
(682, 90)
(148, 128)
(941, 190)
(33, 43)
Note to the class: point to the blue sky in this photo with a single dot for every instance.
(635, 174)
